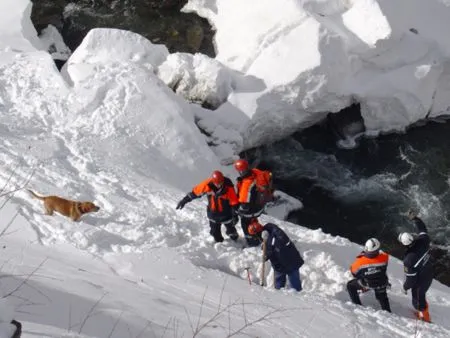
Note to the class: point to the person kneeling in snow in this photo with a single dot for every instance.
(369, 270)
(282, 253)
(222, 204)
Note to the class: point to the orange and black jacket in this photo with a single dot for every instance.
(250, 202)
(370, 269)
(221, 201)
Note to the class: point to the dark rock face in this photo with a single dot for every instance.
(160, 21)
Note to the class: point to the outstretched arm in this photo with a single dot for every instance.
(186, 199)
(420, 225)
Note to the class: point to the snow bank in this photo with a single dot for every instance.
(197, 78)
(316, 57)
(114, 45)
(119, 101)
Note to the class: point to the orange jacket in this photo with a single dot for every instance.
(220, 201)
(371, 270)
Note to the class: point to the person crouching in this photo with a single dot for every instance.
(369, 270)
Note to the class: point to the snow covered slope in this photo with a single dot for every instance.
(316, 57)
(117, 135)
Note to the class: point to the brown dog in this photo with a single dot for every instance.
(72, 209)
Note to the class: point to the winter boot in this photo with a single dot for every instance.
(424, 315)
(234, 237)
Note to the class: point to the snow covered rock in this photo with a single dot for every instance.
(116, 45)
(197, 78)
(118, 102)
(53, 42)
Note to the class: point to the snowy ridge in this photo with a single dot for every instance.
(117, 135)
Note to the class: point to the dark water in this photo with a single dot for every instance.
(364, 192)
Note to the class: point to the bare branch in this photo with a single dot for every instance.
(8, 180)
(26, 279)
(201, 309)
(17, 189)
(189, 320)
(89, 314)
(256, 321)
(115, 324)
(166, 327)
(149, 323)
(9, 223)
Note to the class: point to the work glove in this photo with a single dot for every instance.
(411, 214)
(182, 203)
(264, 235)
(235, 219)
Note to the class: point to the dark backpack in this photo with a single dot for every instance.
(264, 184)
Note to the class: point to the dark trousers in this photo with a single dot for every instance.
(251, 240)
(216, 231)
(418, 293)
(354, 286)
(294, 279)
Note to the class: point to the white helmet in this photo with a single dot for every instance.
(372, 245)
(405, 238)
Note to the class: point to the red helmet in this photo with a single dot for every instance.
(241, 165)
(255, 227)
(217, 178)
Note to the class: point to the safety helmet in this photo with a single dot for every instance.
(372, 245)
(217, 178)
(241, 165)
(406, 238)
(255, 227)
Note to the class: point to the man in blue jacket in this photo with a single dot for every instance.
(282, 253)
(418, 266)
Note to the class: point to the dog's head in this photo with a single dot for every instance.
(86, 207)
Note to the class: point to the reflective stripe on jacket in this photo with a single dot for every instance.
(371, 271)
(417, 261)
(251, 203)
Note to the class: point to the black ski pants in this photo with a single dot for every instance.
(354, 286)
(216, 231)
(419, 292)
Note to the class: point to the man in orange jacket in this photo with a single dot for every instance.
(251, 200)
(369, 270)
(222, 204)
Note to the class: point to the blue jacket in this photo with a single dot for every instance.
(417, 262)
(281, 251)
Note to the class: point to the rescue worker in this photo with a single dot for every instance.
(251, 201)
(418, 266)
(369, 270)
(222, 204)
(282, 253)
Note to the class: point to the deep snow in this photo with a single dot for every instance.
(109, 130)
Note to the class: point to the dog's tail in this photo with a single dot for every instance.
(35, 195)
